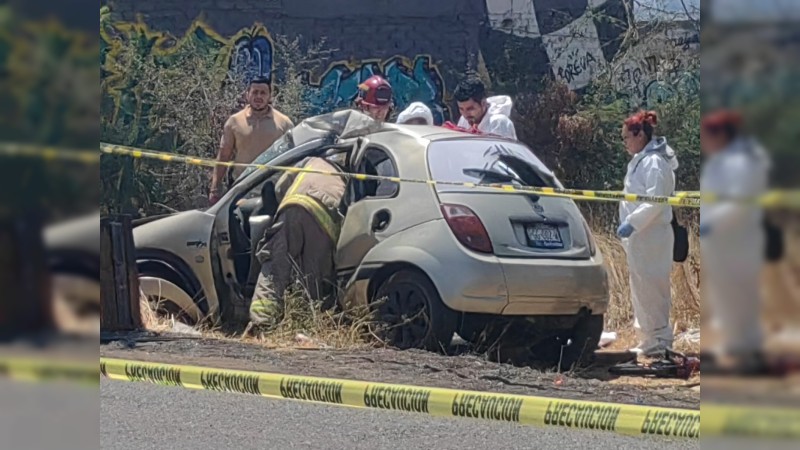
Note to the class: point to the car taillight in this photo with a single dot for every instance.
(467, 228)
(590, 237)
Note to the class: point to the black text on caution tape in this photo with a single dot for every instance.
(397, 398)
(573, 415)
(79, 374)
(777, 424)
(494, 407)
(312, 390)
(669, 423)
(227, 382)
(166, 376)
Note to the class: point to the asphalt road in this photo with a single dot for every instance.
(50, 415)
(145, 416)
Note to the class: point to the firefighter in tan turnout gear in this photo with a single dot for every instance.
(302, 241)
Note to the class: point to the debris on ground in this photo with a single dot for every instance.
(688, 338)
(607, 338)
(304, 341)
(672, 365)
(182, 328)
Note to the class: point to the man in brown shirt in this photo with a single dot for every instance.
(248, 133)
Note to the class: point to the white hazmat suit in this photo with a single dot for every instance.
(416, 110)
(497, 118)
(649, 249)
(733, 247)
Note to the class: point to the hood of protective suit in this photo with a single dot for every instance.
(499, 104)
(416, 110)
(753, 149)
(659, 145)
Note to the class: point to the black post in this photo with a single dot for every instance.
(119, 280)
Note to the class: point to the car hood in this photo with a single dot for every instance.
(175, 230)
(81, 234)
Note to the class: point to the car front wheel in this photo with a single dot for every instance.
(410, 313)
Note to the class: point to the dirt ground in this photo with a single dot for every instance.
(462, 371)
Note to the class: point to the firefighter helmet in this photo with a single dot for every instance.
(375, 91)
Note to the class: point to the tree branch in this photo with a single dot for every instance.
(695, 22)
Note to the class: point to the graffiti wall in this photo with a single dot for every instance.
(665, 61)
(411, 80)
(422, 47)
(577, 41)
(573, 41)
(249, 51)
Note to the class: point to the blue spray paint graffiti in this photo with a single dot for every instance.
(253, 55)
(412, 81)
(658, 92)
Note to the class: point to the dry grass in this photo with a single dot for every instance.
(685, 287)
(306, 325)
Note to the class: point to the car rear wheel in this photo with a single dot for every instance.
(410, 313)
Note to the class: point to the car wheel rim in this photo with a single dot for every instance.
(405, 315)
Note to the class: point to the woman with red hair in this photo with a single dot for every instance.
(646, 231)
(732, 237)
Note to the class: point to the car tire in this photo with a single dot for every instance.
(410, 313)
(585, 339)
(166, 298)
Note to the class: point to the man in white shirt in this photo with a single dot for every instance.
(487, 115)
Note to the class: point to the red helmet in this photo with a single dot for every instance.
(375, 91)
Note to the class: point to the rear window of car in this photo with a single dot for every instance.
(483, 161)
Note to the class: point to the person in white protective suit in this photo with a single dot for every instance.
(732, 236)
(487, 115)
(646, 231)
(417, 113)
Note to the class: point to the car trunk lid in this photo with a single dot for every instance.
(522, 226)
(519, 225)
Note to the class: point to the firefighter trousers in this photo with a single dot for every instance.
(296, 248)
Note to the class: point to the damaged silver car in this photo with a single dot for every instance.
(443, 258)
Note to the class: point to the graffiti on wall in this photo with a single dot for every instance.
(576, 38)
(416, 80)
(250, 52)
(664, 63)
(565, 31)
(575, 53)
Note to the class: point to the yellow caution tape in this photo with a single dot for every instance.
(49, 153)
(30, 369)
(578, 194)
(765, 422)
(537, 411)
(691, 199)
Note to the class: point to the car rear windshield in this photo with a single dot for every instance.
(487, 162)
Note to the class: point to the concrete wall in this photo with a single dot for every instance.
(423, 46)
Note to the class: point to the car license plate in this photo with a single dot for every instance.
(544, 235)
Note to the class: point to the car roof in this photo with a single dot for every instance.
(393, 133)
(435, 133)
